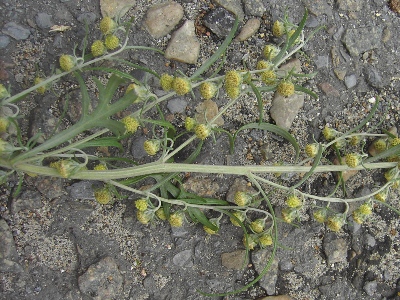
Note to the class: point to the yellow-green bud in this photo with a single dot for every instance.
(250, 241)
(209, 230)
(3, 91)
(208, 90)
(257, 225)
(278, 29)
(265, 239)
(67, 62)
(202, 131)
(111, 41)
(381, 196)
(293, 201)
(263, 64)
(232, 92)
(358, 217)
(242, 198)
(240, 215)
(365, 209)
(270, 52)
(289, 214)
(5, 148)
(141, 204)
(285, 88)
(66, 168)
(4, 122)
(166, 82)
(190, 124)
(107, 25)
(233, 79)
(336, 222)
(131, 124)
(181, 85)
(394, 142)
(329, 133)
(41, 90)
(354, 140)
(380, 145)
(320, 215)
(98, 48)
(160, 213)
(144, 217)
(100, 167)
(103, 195)
(268, 77)
(176, 219)
(151, 147)
(311, 150)
(353, 160)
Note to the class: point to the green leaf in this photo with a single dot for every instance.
(259, 101)
(102, 142)
(106, 93)
(317, 159)
(197, 215)
(299, 88)
(220, 51)
(84, 93)
(275, 129)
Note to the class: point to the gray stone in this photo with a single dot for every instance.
(254, 8)
(162, 18)
(50, 187)
(370, 287)
(350, 5)
(359, 40)
(322, 61)
(234, 260)
(114, 8)
(248, 30)
(7, 249)
(184, 45)
(4, 41)
(183, 259)
(87, 18)
(138, 151)
(219, 21)
(102, 280)
(335, 248)
(234, 6)
(374, 77)
(285, 109)
(318, 7)
(350, 81)
(312, 21)
(44, 21)
(339, 289)
(260, 259)
(370, 240)
(177, 105)
(286, 265)
(81, 190)
(16, 31)
(28, 200)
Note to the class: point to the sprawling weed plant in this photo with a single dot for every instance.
(68, 154)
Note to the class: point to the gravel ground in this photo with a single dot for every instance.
(58, 243)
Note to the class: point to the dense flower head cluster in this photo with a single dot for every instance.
(208, 90)
(202, 131)
(67, 62)
(131, 124)
(181, 85)
(98, 48)
(285, 88)
(111, 42)
(233, 81)
(107, 25)
(151, 147)
(103, 195)
(166, 82)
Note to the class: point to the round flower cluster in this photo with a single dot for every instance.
(233, 80)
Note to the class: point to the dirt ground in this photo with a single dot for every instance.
(57, 242)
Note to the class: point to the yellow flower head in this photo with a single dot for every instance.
(293, 201)
(181, 86)
(250, 241)
(270, 52)
(151, 147)
(353, 160)
(190, 124)
(278, 29)
(208, 90)
(209, 230)
(265, 239)
(202, 131)
(144, 217)
(111, 42)
(41, 90)
(103, 195)
(233, 79)
(107, 25)
(289, 214)
(329, 133)
(285, 88)
(268, 77)
(67, 62)
(66, 167)
(257, 225)
(98, 48)
(263, 64)
(100, 167)
(166, 82)
(336, 222)
(232, 92)
(320, 215)
(394, 142)
(365, 209)
(177, 219)
(160, 213)
(380, 145)
(358, 217)
(238, 214)
(311, 150)
(4, 122)
(242, 198)
(3, 91)
(131, 124)
(141, 204)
